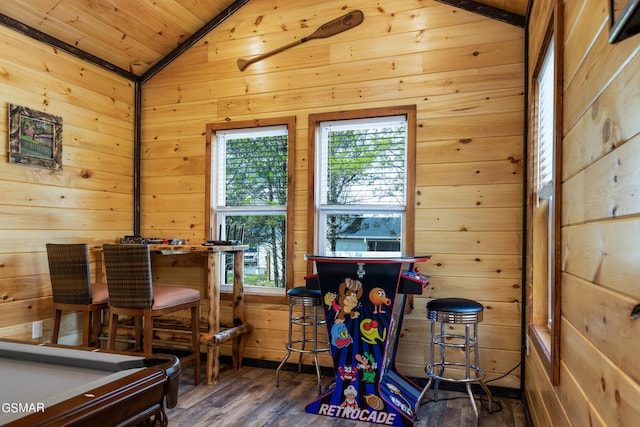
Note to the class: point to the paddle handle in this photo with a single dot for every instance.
(336, 26)
(244, 63)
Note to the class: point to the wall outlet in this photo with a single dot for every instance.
(36, 329)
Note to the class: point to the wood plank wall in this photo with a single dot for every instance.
(464, 72)
(599, 376)
(90, 200)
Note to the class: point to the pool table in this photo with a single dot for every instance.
(46, 385)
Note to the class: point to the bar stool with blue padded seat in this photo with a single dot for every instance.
(303, 297)
(455, 311)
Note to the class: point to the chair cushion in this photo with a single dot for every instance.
(302, 291)
(454, 305)
(99, 293)
(168, 296)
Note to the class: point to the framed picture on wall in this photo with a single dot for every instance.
(35, 138)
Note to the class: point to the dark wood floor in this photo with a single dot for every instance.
(249, 397)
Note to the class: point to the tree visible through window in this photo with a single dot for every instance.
(250, 198)
(361, 197)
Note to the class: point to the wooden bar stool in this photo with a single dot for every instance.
(303, 297)
(455, 311)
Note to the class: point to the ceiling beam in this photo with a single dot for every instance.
(195, 37)
(65, 47)
(85, 56)
(488, 11)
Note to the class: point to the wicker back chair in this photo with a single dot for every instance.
(132, 293)
(72, 288)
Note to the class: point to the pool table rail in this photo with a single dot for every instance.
(128, 400)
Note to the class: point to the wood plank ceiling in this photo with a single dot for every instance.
(133, 36)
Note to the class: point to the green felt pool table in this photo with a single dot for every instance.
(44, 385)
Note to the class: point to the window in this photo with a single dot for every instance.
(544, 313)
(363, 199)
(251, 168)
(546, 127)
(545, 182)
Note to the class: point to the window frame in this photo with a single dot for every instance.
(409, 213)
(544, 212)
(210, 203)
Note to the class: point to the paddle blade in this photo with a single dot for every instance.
(338, 25)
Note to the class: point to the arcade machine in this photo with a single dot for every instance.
(364, 300)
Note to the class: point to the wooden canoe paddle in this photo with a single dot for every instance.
(331, 28)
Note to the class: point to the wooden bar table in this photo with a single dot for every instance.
(214, 337)
(364, 301)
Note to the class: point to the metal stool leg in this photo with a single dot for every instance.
(315, 347)
(288, 346)
(429, 368)
(309, 339)
(304, 337)
(467, 366)
(441, 363)
(477, 367)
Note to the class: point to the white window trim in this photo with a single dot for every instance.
(218, 195)
(322, 210)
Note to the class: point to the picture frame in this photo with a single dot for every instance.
(625, 22)
(35, 138)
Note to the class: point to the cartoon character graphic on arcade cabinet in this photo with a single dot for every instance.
(348, 373)
(367, 365)
(370, 332)
(378, 298)
(398, 399)
(350, 403)
(350, 292)
(340, 336)
(331, 301)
